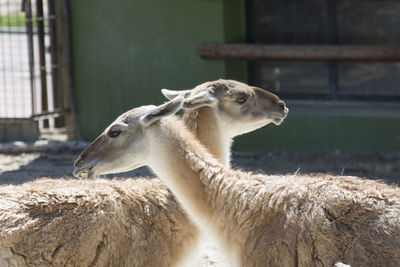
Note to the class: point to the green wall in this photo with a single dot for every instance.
(318, 126)
(124, 52)
(316, 133)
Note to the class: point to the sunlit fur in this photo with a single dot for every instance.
(70, 222)
(215, 125)
(307, 220)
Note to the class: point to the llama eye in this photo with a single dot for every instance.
(114, 133)
(241, 99)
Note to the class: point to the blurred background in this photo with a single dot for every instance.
(68, 68)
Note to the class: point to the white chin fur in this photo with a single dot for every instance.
(277, 121)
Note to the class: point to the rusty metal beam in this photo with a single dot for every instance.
(341, 53)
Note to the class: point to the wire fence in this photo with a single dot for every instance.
(23, 73)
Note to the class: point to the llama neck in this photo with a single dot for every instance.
(186, 167)
(204, 123)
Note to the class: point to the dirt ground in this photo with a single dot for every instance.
(56, 160)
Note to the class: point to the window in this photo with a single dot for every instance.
(323, 22)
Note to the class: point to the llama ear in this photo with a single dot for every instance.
(158, 112)
(199, 100)
(171, 94)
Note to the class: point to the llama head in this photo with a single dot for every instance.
(239, 107)
(124, 144)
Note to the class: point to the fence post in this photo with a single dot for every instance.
(64, 74)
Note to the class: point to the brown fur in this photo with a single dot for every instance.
(68, 222)
(190, 119)
(90, 223)
(305, 220)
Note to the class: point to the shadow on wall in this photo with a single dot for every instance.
(20, 168)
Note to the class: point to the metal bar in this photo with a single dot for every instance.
(339, 97)
(253, 52)
(29, 32)
(3, 99)
(11, 93)
(71, 120)
(14, 120)
(18, 30)
(43, 18)
(42, 57)
(53, 52)
(50, 114)
(21, 63)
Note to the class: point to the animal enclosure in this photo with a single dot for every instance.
(34, 67)
(325, 97)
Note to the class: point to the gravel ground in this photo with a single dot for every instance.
(56, 160)
(383, 166)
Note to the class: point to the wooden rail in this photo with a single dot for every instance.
(256, 52)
